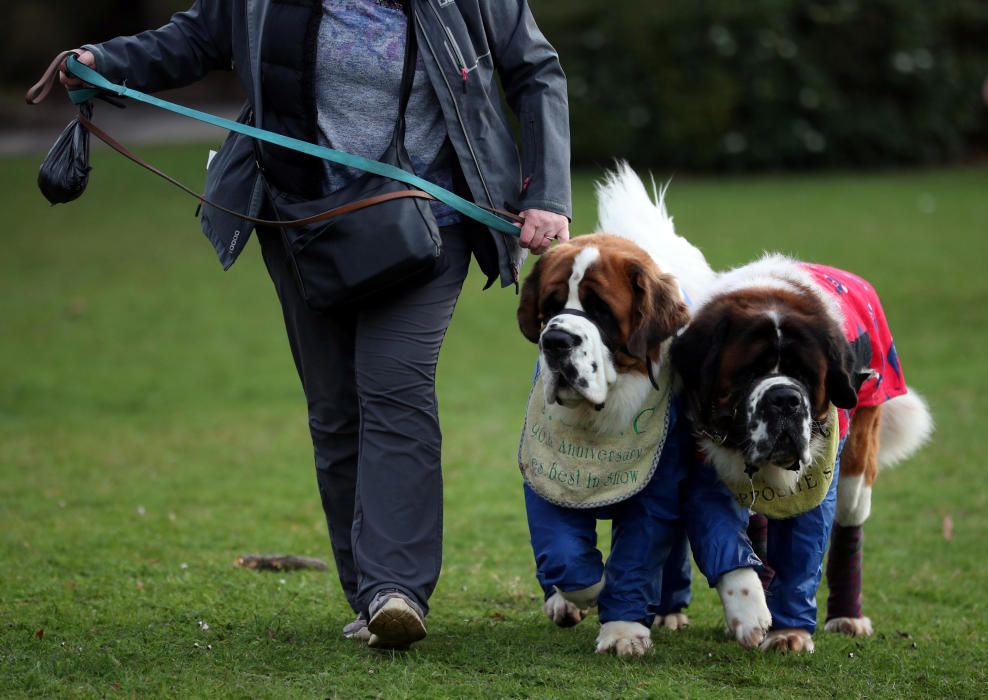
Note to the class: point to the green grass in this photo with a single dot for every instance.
(152, 429)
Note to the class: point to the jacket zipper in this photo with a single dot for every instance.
(532, 134)
(459, 60)
(459, 54)
(462, 68)
(459, 118)
(250, 55)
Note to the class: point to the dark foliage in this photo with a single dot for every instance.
(774, 83)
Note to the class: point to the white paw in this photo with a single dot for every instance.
(562, 612)
(851, 626)
(745, 611)
(786, 640)
(673, 621)
(624, 639)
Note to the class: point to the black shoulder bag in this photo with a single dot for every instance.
(363, 254)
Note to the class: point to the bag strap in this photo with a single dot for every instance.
(407, 80)
(492, 218)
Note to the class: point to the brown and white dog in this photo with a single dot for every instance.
(629, 288)
(771, 346)
(603, 310)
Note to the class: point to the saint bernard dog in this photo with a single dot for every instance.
(784, 364)
(603, 310)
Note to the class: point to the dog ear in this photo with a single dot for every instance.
(657, 311)
(842, 378)
(696, 356)
(530, 305)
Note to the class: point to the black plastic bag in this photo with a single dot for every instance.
(64, 173)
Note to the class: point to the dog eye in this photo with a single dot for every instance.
(552, 306)
(596, 306)
(798, 371)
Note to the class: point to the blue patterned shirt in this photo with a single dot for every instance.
(359, 61)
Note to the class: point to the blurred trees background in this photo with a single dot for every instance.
(35, 30)
(701, 84)
(775, 83)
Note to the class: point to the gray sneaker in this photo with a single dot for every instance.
(357, 629)
(395, 621)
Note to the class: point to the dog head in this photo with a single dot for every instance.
(760, 368)
(599, 308)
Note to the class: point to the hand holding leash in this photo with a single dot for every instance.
(70, 81)
(541, 228)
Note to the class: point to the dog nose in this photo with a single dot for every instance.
(784, 399)
(556, 340)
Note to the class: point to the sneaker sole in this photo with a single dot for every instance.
(395, 626)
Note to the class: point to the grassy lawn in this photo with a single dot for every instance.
(152, 429)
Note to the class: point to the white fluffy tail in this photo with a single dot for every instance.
(906, 426)
(625, 209)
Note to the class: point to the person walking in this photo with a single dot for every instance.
(329, 71)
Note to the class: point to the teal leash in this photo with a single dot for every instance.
(101, 85)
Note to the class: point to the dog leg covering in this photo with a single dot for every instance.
(585, 597)
(758, 534)
(844, 572)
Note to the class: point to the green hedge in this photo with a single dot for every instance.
(773, 83)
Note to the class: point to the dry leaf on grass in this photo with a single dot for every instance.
(279, 562)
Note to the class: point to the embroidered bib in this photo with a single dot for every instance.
(807, 493)
(576, 467)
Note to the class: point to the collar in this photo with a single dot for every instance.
(576, 312)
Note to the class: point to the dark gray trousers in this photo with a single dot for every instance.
(369, 379)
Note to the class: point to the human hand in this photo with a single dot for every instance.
(69, 81)
(541, 228)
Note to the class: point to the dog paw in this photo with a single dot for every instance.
(563, 612)
(851, 626)
(788, 640)
(624, 639)
(672, 621)
(745, 612)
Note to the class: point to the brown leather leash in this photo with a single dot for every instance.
(292, 223)
(322, 216)
(40, 90)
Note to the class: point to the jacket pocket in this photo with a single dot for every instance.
(463, 57)
(232, 182)
(531, 150)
